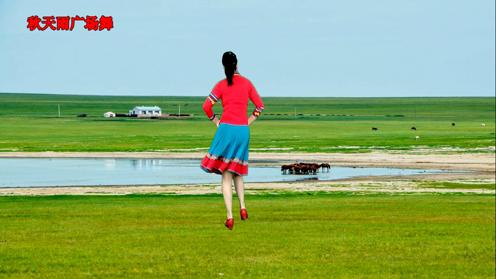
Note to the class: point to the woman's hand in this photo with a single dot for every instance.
(251, 119)
(216, 121)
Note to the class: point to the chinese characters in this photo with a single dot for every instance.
(67, 23)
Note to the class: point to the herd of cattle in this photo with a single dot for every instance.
(304, 168)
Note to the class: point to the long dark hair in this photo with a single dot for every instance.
(229, 61)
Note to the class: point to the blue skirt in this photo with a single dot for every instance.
(229, 150)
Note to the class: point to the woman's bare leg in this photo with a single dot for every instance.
(240, 190)
(227, 191)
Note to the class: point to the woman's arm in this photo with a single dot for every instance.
(257, 101)
(207, 108)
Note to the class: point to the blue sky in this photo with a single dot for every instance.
(287, 48)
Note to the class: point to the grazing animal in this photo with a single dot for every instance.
(286, 168)
(375, 128)
(301, 168)
(483, 124)
(453, 124)
(325, 166)
(304, 168)
(413, 128)
(417, 137)
(314, 168)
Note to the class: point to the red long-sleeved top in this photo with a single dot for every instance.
(234, 100)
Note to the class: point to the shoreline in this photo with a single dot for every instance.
(467, 167)
(365, 184)
(458, 161)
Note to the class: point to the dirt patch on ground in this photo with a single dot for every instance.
(388, 184)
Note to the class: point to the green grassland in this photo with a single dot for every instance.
(30, 122)
(323, 235)
(457, 185)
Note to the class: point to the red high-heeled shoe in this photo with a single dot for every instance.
(243, 213)
(229, 223)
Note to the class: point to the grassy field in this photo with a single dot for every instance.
(30, 122)
(457, 185)
(287, 236)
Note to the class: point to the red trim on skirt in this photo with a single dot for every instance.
(220, 165)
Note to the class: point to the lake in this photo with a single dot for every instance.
(41, 172)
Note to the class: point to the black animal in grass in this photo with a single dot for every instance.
(375, 128)
(413, 128)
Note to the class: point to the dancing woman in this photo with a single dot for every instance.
(228, 153)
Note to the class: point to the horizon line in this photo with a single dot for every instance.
(195, 96)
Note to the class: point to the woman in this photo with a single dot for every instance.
(228, 153)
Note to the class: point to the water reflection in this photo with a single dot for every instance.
(36, 172)
(109, 163)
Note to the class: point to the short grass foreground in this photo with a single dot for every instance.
(287, 236)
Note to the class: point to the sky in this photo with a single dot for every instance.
(322, 48)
